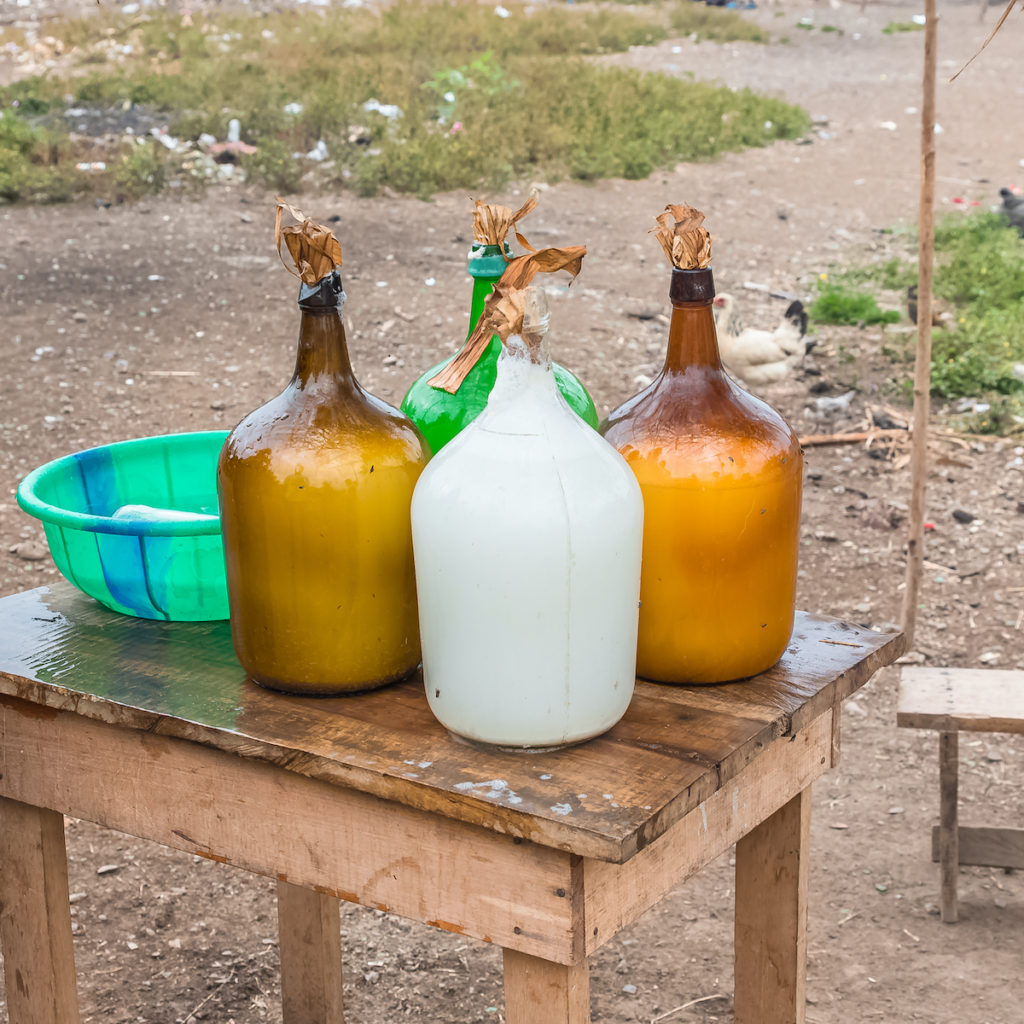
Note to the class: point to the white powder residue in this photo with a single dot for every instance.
(494, 789)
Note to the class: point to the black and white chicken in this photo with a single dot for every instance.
(758, 357)
(1012, 209)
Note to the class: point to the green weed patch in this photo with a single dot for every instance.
(979, 276)
(416, 98)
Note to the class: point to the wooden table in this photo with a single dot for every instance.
(152, 729)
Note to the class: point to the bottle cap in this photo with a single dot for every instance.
(692, 285)
(325, 295)
(487, 260)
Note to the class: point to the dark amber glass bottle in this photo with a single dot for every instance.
(440, 415)
(315, 489)
(721, 476)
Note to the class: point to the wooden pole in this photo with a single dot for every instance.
(923, 360)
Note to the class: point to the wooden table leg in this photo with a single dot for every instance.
(35, 916)
(309, 936)
(949, 830)
(540, 992)
(771, 917)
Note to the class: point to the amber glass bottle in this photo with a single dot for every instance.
(315, 489)
(721, 476)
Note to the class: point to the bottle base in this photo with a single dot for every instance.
(299, 689)
(514, 748)
(704, 681)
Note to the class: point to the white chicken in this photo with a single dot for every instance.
(757, 357)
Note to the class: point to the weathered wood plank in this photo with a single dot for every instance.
(309, 938)
(974, 700)
(342, 843)
(675, 747)
(617, 894)
(538, 992)
(949, 848)
(35, 917)
(771, 917)
(985, 847)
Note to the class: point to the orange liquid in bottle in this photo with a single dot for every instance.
(721, 475)
(316, 488)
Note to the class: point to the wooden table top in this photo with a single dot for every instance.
(607, 798)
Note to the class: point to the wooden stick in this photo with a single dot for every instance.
(923, 360)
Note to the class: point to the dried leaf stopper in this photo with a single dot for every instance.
(505, 307)
(313, 248)
(687, 245)
(491, 222)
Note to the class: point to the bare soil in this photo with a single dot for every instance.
(100, 303)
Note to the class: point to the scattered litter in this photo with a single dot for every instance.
(889, 126)
(430, 282)
(502, 12)
(234, 130)
(919, 19)
(293, 109)
(108, 869)
(165, 140)
(318, 152)
(388, 110)
(828, 405)
(94, 165)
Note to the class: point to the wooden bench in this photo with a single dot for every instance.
(951, 701)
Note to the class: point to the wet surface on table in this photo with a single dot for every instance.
(675, 747)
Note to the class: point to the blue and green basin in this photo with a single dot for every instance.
(136, 524)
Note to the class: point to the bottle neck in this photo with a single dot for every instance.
(486, 265)
(692, 340)
(482, 288)
(322, 359)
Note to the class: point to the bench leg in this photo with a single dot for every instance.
(309, 936)
(35, 916)
(771, 917)
(949, 837)
(540, 992)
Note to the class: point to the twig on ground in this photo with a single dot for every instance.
(686, 1006)
(197, 1008)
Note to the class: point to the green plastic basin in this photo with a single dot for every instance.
(136, 524)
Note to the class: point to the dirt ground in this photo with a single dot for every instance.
(98, 304)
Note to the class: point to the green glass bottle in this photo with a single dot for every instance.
(439, 415)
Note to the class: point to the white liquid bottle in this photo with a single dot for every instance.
(527, 533)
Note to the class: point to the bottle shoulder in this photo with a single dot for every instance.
(706, 423)
(301, 420)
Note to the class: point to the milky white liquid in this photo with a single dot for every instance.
(527, 532)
